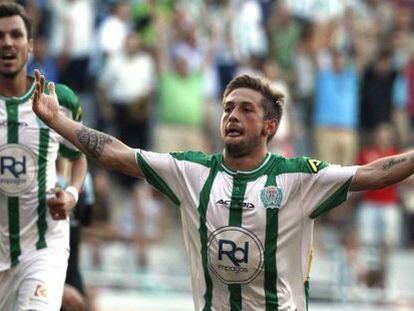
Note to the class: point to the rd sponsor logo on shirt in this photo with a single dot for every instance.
(235, 255)
(18, 169)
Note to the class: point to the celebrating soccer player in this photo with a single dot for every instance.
(247, 214)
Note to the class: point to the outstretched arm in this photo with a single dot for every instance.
(99, 146)
(384, 172)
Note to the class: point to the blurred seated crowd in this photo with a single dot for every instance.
(152, 72)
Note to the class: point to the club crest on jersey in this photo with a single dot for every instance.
(271, 197)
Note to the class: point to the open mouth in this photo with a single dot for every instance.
(7, 56)
(234, 132)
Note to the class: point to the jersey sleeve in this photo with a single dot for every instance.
(179, 176)
(70, 106)
(326, 187)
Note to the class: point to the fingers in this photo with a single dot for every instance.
(40, 81)
(51, 88)
(37, 74)
(40, 86)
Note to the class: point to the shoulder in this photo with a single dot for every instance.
(305, 165)
(194, 157)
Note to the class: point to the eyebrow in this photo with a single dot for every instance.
(244, 102)
(13, 30)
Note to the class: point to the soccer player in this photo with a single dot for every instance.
(247, 214)
(34, 230)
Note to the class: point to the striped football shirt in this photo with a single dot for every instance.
(248, 234)
(28, 151)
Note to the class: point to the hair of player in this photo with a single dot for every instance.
(8, 9)
(272, 100)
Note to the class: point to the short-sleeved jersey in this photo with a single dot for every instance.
(28, 151)
(248, 234)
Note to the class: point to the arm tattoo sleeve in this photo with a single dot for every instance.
(93, 141)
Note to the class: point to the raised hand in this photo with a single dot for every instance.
(45, 106)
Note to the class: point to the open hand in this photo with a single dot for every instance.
(45, 106)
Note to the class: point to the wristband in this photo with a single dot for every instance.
(73, 191)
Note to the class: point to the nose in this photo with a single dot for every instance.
(234, 115)
(6, 41)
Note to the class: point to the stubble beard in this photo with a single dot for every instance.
(241, 149)
(9, 75)
(14, 74)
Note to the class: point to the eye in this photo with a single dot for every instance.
(227, 109)
(17, 34)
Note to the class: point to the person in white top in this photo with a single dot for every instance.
(247, 214)
(34, 231)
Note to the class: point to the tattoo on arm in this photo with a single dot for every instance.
(93, 141)
(391, 163)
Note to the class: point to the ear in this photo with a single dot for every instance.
(270, 127)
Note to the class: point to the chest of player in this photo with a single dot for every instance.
(26, 145)
(245, 219)
(239, 201)
(19, 125)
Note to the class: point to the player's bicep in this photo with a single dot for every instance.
(365, 178)
(125, 161)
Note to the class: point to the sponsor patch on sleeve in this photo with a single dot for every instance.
(315, 165)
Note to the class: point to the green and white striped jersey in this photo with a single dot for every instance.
(28, 151)
(248, 234)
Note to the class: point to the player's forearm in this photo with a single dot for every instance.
(99, 146)
(384, 172)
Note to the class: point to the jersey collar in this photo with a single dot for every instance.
(251, 174)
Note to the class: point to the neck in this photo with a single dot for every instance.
(244, 163)
(16, 86)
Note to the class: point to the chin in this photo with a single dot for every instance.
(9, 74)
(236, 150)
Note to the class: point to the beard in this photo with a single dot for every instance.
(15, 73)
(242, 148)
(9, 75)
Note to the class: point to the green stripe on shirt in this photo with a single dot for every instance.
(13, 202)
(270, 280)
(42, 207)
(202, 210)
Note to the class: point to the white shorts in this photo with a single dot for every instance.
(35, 284)
(379, 224)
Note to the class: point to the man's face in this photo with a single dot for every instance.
(14, 46)
(242, 125)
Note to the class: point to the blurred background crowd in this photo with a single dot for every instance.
(152, 72)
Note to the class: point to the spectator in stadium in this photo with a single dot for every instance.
(284, 33)
(34, 242)
(181, 104)
(114, 28)
(379, 214)
(72, 41)
(376, 94)
(131, 106)
(336, 111)
(247, 214)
